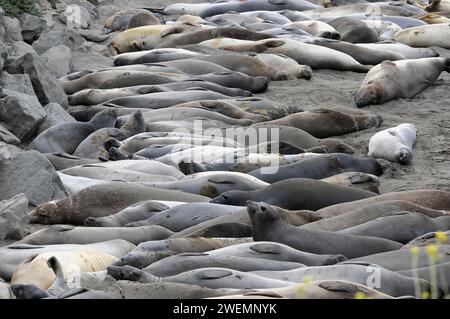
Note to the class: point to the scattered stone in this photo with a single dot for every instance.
(91, 56)
(8, 137)
(3, 55)
(13, 31)
(55, 115)
(58, 60)
(32, 27)
(21, 114)
(16, 82)
(13, 217)
(28, 172)
(50, 39)
(47, 87)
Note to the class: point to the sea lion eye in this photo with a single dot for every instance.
(225, 197)
(263, 208)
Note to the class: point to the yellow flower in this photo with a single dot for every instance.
(441, 237)
(414, 250)
(431, 250)
(360, 295)
(425, 295)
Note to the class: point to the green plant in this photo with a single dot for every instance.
(16, 7)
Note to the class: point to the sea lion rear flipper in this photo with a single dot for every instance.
(265, 248)
(173, 30)
(277, 2)
(219, 180)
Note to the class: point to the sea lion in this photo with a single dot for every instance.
(425, 36)
(102, 200)
(198, 36)
(35, 270)
(149, 252)
(394, 144)
(62, 161)
(433, 238)
(320, 166)
(364, 181)
(282, 194)
(121, 19)
(142, 19)
(74, 184)
(390, 283)
(402, 259)
(145, 37)
(354, 31)
(438, 5)
(268, 226)
(290, 67)
(317, 28)
(357, 215)
(186, 215)
(442, 272)
(276, 251)
(399, 226)
(183, 262)
(212, 184)
(400, 49)
(323, 123)
(65, 137)
(399, 79)
(94, 145)
(64, 234)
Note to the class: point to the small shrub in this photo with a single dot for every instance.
(16, 7)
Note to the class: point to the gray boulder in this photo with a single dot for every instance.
(47, 87)
(8, 137)
(55, 115)
(13, 217)
(21, 114)
(28, 172)
(58, 60)
(32, 27)
(2, 29)
(16, 82)
(13, 31)
(3, 55)
(76, 17)
(50, 39)
(19, 49)
(91, 56)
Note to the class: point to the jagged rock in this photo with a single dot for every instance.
(2, 29)
(28, 172)
(21, 114)
(55, 115)
(8, 137)
(66, 37)
(47, 87)
(13, 217)
(76, 17)
(91, 56)
(32, 27)
(13, 31)
(19, 48)
(3, 55)
(16, 82)
(58, 60)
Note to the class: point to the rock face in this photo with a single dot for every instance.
(28, 172)
(8, 137)
(21, 114)
(16, 82)
(13, 31)
(3, 55)
(76, 17)
(2, 23)
(55, 115)
(19, 49)
(58, 60)
(47, 87)
(32, 27)
(13, 217)
(50, 39)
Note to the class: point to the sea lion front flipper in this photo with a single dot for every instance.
(214, 274)
(266, 248)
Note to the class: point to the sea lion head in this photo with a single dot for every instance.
(368, 94)
(229, 198)
(261, 212)
(28, 292)
(337, 146)
(44, 213)
(404, 156)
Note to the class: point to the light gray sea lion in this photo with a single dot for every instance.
(191, 83)
(319, 167)
(433, 238)
(282, 194)
(354, 31)
(425, 36)
(254, 84)
(183, 262)
(94, 145)
(136, 212)
(14, 254)
(359, 214)
(399, 226)
(394, 144)
(434, 199)
(442, 272)
(268, 226)
(102, 200)
(186, 215)
(364, 181)
(153, 56)
(402, 259)
(276, 251)
(61, 161)
(198, 36)
(149, 252)
(399, 48)
(323, 123)
(63, 234)
(399, 79)
(65, 137)
(390, 282)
